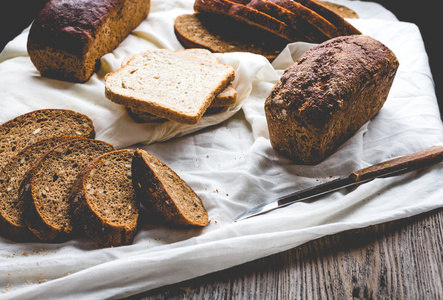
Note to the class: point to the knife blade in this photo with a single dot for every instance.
(385, 169)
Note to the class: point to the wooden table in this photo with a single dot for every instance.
(396, 260)
(402, 259)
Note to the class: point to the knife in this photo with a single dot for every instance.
(388, 168)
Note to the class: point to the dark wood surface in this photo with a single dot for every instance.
(402, 259)
(396, 260)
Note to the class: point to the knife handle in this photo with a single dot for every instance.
(400, 165)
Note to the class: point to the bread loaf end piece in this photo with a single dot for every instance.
(68, 38)
(327, 95)
(163, 192)
(104, 200)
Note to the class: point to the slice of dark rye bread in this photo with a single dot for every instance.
(344, 27)
(250, 16)
(163, 192)
(105, 204)
(12, 222)
(222, 34)
(311, 26)
(47, 185)
(31, 127)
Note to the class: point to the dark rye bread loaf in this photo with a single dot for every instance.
(47, 185)
(104, 200)
(12, 222)
(250, 16)
(163, 192)
(68, 37)
(327, 95)
(222, 34)
(308, 23)
(36, 125)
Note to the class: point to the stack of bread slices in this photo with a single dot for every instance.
(58, 181)
(261, 26)
(181, 86)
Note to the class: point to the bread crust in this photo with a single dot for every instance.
(12, 221)
(69, 36)
(31, 194)
(103, 232)
(153, 192)
(307, 22)
(327, 95)
(343, 26)
(221, 34)
(36, 125)
(250, 16)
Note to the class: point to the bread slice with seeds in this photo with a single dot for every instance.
(104, 200)
(12, 222)
(36, 125)
(47, 185)
(163, 192)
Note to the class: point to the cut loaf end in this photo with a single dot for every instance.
(163, 192)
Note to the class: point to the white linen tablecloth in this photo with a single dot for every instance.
(227, 159)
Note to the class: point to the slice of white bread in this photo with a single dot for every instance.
(163, 192)
(47, 185)
(227, 97)
(12, 221)
(36, 125)
(104, 200)
(167, 84)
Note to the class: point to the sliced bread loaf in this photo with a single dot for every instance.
(163, 83)
(250, 16)
(12, 222)
(343, 26)
(104, 200)
(162, 191)
(311, 26)
(46, 187)
(31, 127)
(223, 34)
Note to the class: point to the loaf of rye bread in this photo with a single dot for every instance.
(36, 125)
(68, 37)
(46, 187)
(222, 34)
(327, 95)
(12, 222)
(104, 200)
(164, 193)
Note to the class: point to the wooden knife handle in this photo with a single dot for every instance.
(400, 165)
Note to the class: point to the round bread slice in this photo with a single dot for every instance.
(104, 200)
(163, 192)
(47, 185)
(221, 34)
(12, 222)
(31, 127)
